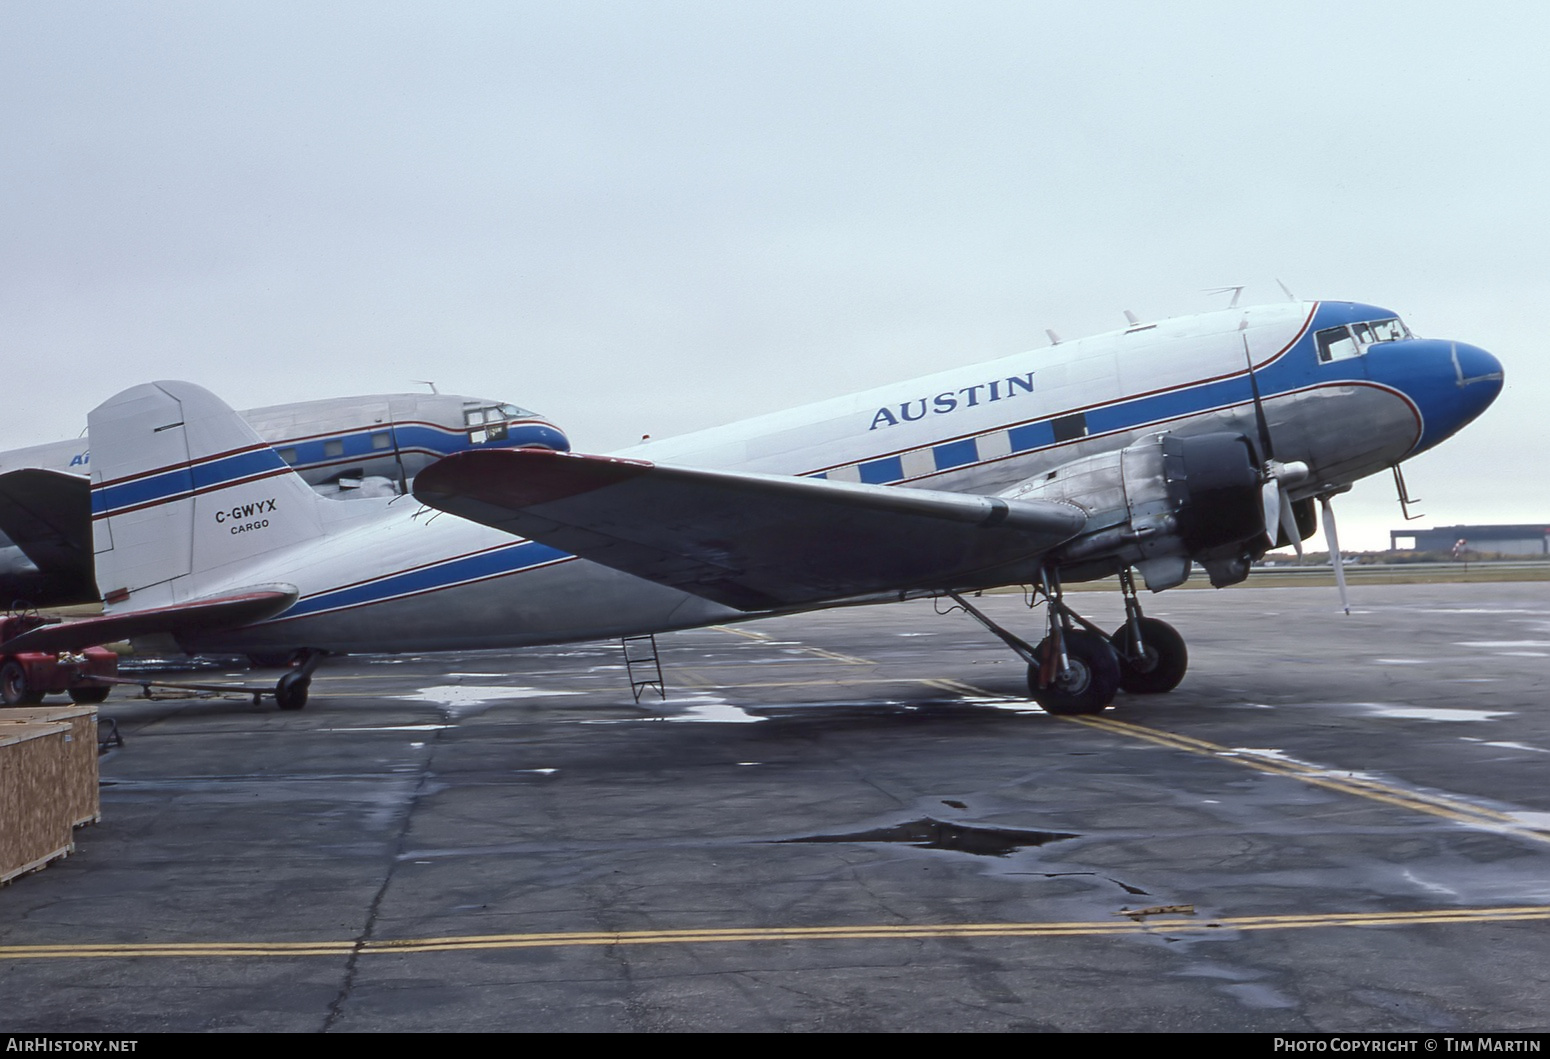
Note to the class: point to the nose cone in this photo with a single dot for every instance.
(1479, 374)
(1458, 383)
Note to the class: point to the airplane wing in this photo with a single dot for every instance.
(238, 608)
(751, 541)
(47, 514)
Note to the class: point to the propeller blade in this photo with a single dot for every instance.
(1289, 523)
(1270, 507)
(1334, 551)
(1268, 452)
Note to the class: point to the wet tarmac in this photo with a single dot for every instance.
(850, 820)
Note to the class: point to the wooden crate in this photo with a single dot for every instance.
(35, 822)
(79, 787)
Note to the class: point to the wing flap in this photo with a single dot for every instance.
(750, 541)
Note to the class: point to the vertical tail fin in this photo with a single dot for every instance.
(185, 496)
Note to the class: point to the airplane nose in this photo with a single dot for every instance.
(1478, 376)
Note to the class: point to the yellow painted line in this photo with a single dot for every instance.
(1438, 805)
(1444, 806)
(1120, 925)
(834, 682)
(735, 631)
(833, 656)
(958, 686)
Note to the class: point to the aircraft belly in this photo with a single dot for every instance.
(566, 601)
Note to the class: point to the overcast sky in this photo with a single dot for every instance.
(658, 216)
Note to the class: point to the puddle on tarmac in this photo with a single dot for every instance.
(928, 833)
(1428, 713)
(1502, 643)
(473, 695)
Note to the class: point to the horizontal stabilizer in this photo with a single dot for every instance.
(751, 541)
(206, 615)
(47, 514)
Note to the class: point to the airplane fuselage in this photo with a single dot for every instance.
(346, 447)
(1345, 390)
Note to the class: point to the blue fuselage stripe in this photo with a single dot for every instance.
(497, 562)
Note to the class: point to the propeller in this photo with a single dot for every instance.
(1276, 477)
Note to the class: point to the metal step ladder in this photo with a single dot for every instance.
(643, 665)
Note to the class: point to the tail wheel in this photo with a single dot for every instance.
(1088, 686)
(13, 686)
(1159, 665)
(290, 693)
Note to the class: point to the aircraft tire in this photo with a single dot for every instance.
(88, 696)
(1164, 661)
(1093, 679)
(291, 691)
(13, 686)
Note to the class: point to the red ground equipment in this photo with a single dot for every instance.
(27, 676)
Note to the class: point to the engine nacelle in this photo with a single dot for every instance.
(1160, 504)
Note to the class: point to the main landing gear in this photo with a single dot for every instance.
(1077, 667)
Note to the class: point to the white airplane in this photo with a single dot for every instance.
(1201, 439)
(342, 446)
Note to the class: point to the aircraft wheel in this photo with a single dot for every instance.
(13, 686)
(1162, 663)
(88, 696)
(291, 691)
(1088, 686)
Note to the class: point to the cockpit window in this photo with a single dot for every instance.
(1390, 330)
(1336, 343)
(1340, 343)
(486, 424)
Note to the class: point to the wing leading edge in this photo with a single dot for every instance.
(751, 541)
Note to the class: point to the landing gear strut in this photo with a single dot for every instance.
(1077, 667)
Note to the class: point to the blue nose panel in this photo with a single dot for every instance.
(1451, 383)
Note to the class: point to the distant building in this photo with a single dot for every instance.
(1530, 540)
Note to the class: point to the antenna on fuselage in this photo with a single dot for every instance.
(1131, 317)
(1287, 291)
(1237, 291)
(427, 382)
(1054, 339)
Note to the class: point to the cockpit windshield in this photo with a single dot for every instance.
(489, 423)
(1345, 341)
